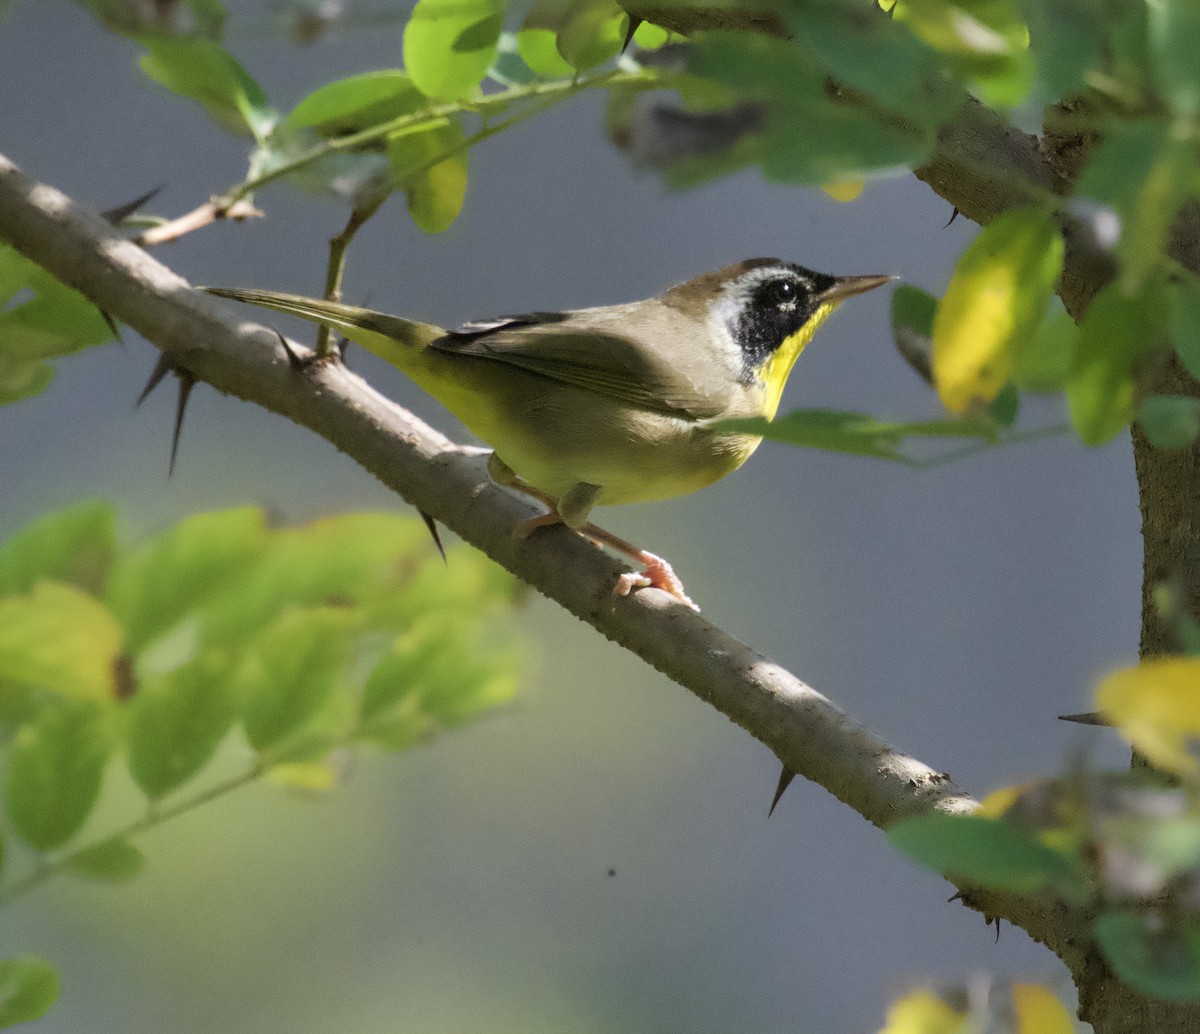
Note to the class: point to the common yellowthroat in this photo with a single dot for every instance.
(615, 404)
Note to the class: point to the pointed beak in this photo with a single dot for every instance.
(845, 286)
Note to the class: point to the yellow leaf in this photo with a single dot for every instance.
(994, 302)
(1039, 1011)
(844, 190)
(306, 777)
(61, 639)
(1156, 705)
(997, 803)
(922, 1012)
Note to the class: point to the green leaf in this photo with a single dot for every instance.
(291, 671)
(913, 310)
(357, 559)
(176, 724)
(537, 40)
(1175, 41)
(592, 32)
(357, 102)
(75, 545)
(986, 40)
(61, 639)
(210, 17)
(539, 50)
(23, 380)
(1143, 171)
(648, 36)
(54, 772)
(40, 318)
(28, 987)
(912, 327)
(807, 138)
(856, 433)
(509, 68)
(820, 141)
(55, 322)
(1005, 406)
(153, 587)
(1170, 421)
(995, 300)
(111, 861)
(1117, 331)
(1185, 324)
(1044, 362)
(903, 73)
(435, 193)
(203, 71)
(982, 852)
(1065, 38)
(1171, 844)
(450, 44)
(440, 674)
(1159, 959)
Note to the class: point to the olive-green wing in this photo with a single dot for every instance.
(571, 349)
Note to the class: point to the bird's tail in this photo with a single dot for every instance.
(389, 337)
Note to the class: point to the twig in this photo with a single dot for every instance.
(210, 212)
(153, 817)
(558, 89)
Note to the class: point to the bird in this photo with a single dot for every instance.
(613, 404)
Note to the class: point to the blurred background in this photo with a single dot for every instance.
(597, 857)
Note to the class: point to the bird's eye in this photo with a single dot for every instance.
(781, 293)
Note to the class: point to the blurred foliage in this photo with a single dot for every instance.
(301, 642)
(40, 319)
(1015, 1009)
(348, 632)
(847, 91)
(1124, 847)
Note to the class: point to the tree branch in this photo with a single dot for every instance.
(809, 734)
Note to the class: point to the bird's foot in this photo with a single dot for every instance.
(657, 574)
(527, 528)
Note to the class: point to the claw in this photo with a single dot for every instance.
(657, 574)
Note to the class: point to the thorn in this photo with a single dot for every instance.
(296, 362)
(953, 216)
(431, 524)
(111, 324)
(786, 775)
(341, 346)
(163, 367)
(1086, 718)
(116, 216)
(186, 383)
(634, 22)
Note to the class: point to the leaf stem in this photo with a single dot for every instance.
(972, 448)
(47, 869)
(558, 89)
